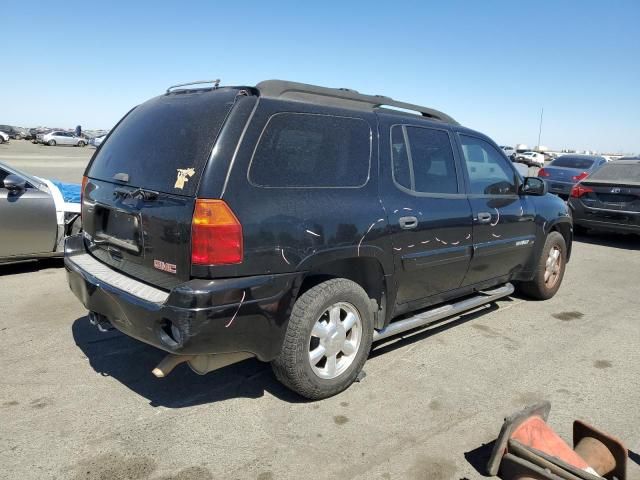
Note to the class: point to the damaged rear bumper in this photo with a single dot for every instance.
(245, 314)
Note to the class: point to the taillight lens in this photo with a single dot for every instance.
(543, 173)
(582, 176)
(216, 234)
(580, 190)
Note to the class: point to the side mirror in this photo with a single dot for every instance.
(534, 186)
(14, 183)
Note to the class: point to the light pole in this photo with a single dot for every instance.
(540, 129)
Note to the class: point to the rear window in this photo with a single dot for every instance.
(298, 150)
(572, 162)
(618, 172)
(164, 144)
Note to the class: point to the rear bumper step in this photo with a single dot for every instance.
(425, 318)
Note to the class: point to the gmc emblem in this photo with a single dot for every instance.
(164, 266)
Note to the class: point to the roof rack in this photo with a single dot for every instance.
(216, 84)
(342, 97)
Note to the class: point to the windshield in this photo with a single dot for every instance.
(618, 172)
(163, 138)
(573, 162)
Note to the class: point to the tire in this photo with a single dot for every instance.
(538, 288)
(81, 143)
(312, 328)
(51, 143)
(1, 140)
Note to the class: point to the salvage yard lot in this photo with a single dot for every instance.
(75, 403)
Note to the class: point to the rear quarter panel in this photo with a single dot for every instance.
(295, 229)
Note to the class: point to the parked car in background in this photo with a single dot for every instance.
(609, 199)
(59, 137)
(509, 151)
(532, 159)
(9, 130)
(281, 231)
(565, 171)
(36, 214)
(97, 141)
(4, 137)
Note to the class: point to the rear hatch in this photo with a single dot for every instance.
(142, 182)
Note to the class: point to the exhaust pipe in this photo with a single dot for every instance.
(168, 363)
(200, 364)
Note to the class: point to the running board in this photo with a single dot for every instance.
(420, 320)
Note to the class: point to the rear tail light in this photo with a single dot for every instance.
(582, 176)
(543, 173)
(216, 234)
(580, 190)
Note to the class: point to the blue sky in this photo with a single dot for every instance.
(491, 65)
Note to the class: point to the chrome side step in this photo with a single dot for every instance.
(420, 320)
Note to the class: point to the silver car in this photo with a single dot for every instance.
(59, 137)
(34, 217)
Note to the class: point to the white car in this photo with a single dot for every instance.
(4, 137)
(533, 159)
(508, 151)
(58, 137)
(96, 141)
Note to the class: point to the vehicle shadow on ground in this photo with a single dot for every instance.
(613, 240)
(130, 362)
(30, 266)
(440, 326)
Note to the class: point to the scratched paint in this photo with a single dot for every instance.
(244, 294)
(283, 257)
(498, 219)
(367, 232)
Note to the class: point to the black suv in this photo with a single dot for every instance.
(298, 224)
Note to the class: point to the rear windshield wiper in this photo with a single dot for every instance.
(138, 193)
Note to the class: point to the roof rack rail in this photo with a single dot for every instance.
(342, 97)
(216, 84)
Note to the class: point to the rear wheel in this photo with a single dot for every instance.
(51, 143)
(327, 341)
(549, 270)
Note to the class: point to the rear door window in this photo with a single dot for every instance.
(165, 143)
(303, 150)
(423, 160)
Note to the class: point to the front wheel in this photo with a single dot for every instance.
(81, 143)
(549, 269)
(328, 339)
(51, 143)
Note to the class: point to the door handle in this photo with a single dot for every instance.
(408, 222)
(484, 217)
